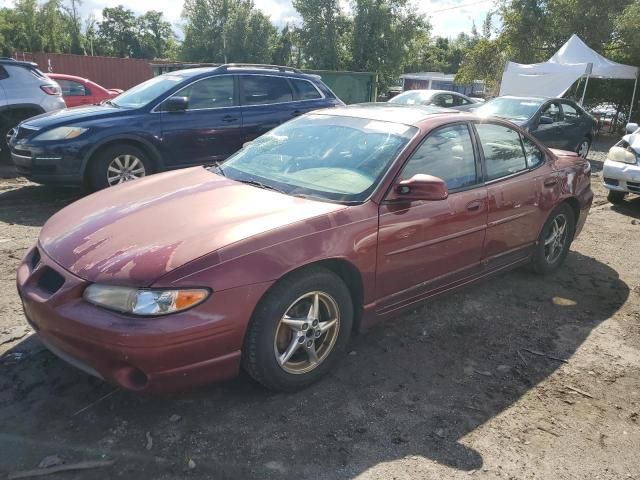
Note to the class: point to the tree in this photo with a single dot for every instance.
(283, 50)
(156, 35)
(484, 61)
(117, 32)
(74, 24)
(386, 35)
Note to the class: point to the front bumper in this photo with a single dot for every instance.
(198, 346)
(621, 177)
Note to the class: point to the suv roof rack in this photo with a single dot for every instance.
(259, 65)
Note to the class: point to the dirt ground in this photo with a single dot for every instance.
(460, 387)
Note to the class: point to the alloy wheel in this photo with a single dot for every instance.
(556, 239)
(583, 150)
(124, 168)
(307, 332)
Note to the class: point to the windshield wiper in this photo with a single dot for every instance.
(109, 102)
(258, 184)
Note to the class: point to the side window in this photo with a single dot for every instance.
(502, 149)
(552, 110)
(533, 153)
(570, 111)
(212, 92)
(444, 100)
(304, 90)
(461, 100)
(263, 90)
(446, 153)
(71, 89)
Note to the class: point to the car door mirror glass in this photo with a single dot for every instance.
(545, 120)
(420, 187)
(176, 104)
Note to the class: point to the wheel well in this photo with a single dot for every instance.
(19, 114)
(147, 151)
(350, 275)
(575, 206)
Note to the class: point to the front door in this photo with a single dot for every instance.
(209, 130)
(516, 177)
(550, 134)
(427, 246)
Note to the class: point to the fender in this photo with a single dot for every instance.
(157, 156)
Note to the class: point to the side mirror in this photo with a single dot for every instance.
(176, 104)
(420, 187)
(544, 120)
(631, 128)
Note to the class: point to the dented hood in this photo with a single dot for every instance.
(136, 232)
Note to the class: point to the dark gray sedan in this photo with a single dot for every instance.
(556, 122)
(438, 98)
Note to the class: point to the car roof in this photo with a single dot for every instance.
(432, 91)
(266, 70)
(388, 112)
(17, 63)
(64, 76)
(539, 99)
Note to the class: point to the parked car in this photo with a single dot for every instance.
(439, 98)
(188, 117)
(24, 92)
(82, 91)
(325, 225)
(556, 122)
(621, 172)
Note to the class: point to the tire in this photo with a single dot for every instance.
(616, 197)
(584, 147)
(133, 158)
(547, 257)
(268, 339)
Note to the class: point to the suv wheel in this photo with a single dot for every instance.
(118, 164)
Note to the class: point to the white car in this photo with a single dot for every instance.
(621, 174)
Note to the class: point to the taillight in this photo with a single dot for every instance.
(51, 89)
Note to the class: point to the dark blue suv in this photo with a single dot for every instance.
(179, 119)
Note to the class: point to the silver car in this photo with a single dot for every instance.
(24, 92)
(621, 172)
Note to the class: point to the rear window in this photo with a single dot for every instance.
(304, 89)
(264, 90)
(38, 74)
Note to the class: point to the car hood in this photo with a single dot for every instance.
(71, 115)
(136, 232)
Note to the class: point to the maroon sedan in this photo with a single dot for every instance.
(325, 225)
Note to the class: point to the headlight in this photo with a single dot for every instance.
(621, 154)
(144, 302)
(61, 133)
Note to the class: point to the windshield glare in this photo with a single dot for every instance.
(334, 158)
(146, 92)
(510, 108)
(412, 98)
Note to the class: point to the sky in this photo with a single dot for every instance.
(448, 17)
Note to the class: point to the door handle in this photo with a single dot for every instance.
(550, 182)
(474, 206)
(229, 118)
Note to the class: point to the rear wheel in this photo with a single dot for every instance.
(584, 147)
(118, 164)
(299, 330)
(554, 241)
(616, 197)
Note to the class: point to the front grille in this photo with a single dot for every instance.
(50, 281)
(24, 132)
(611, 181)
(35, 258)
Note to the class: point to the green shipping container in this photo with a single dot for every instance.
(350, 87)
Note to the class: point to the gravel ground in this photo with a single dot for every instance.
(520, 377)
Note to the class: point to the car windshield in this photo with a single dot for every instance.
(412, 98)
(326, 157)
(517, 109)
(146, 92)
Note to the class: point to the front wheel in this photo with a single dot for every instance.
(299, 330)
(118, 164)
(615, 197)
(554, 241)
(584, 147)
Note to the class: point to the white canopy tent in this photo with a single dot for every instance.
(554, 77)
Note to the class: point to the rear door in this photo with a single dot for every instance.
(306, 97)
(209, 130)
(516, 178)
(266, 102)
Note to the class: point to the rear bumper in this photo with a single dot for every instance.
(621, 177)
(199, 346)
